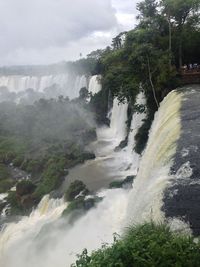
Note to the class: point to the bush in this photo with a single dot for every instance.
(147, 245)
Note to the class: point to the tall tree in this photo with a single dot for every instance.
(182, 12)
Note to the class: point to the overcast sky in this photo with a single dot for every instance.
(47, 31)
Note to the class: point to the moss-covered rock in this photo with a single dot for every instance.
(126, 183)
(81, 203)
(75, 189)
(25, 187)
(122, 145)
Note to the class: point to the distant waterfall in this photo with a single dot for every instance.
(118, 120)
(153, 177)
(137, 120)
(69, 85)
(136, 123)
(95, 84)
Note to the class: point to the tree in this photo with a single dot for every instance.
(182, 12)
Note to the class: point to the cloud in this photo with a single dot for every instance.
(44, 31)
(42, 23)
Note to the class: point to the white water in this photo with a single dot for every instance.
(28, 227)
(95, 84)
(136, 123)
(29, 244)
(146, 196)
(3, 196)
(118, 120)
(69, 86)
(59, 247)
(57, 243)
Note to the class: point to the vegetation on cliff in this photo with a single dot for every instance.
(149, 56)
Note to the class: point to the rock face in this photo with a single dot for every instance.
(182, 197)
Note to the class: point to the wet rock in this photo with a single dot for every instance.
(126, 183)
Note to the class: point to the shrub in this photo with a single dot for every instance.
(145, 246)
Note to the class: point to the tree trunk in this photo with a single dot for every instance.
(151, 82)
(180, 46)
(180, 53)
(170, 42)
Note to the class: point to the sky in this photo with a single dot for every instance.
(48, 31)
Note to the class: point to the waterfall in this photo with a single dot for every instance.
(95, 84)
(118, 120)
(46, 239)
(80, 82)
(136, 122)
(47, 211)
(68, 84)
(146, 196)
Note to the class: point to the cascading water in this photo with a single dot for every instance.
(48, 211)
(46, 239)
(69, 85)
(95, 84)
(59, 247)
(43, 240)
(118, 120)
(146, 196)
(137, 120)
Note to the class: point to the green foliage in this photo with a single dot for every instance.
(52, 176)
(4, 172)
(99, 105)
(5, 179)
(5, 185)
(75, 189)
(15, 207)
(11, 147)
(44, 140)
(143, 246)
